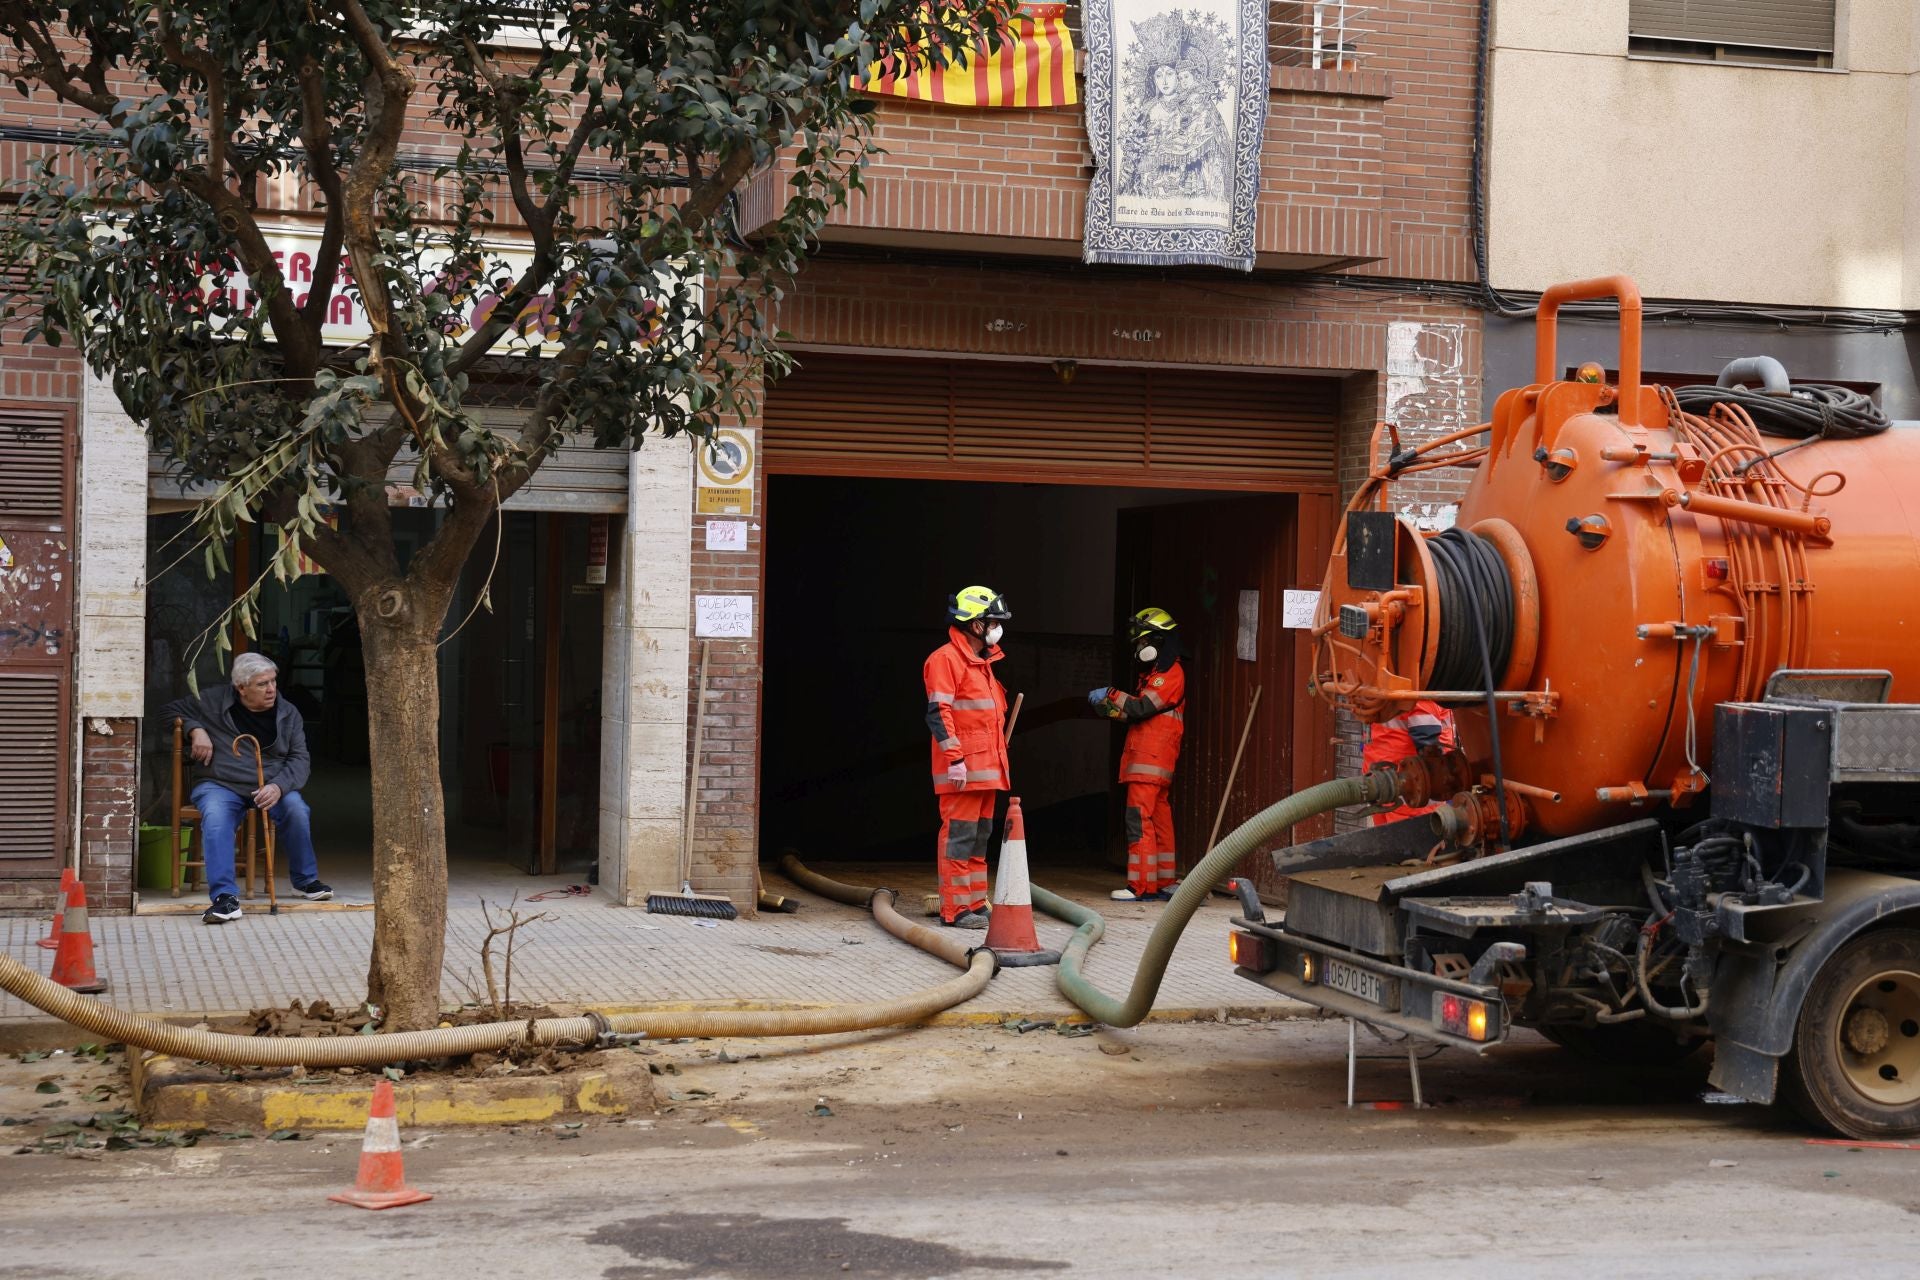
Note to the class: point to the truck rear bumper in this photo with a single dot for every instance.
(1407, 996)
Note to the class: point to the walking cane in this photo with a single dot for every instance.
(266, 822)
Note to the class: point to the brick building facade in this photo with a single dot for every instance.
(965, 249)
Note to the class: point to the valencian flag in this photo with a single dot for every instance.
(1033, 67)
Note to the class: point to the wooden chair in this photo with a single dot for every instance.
(194, 857)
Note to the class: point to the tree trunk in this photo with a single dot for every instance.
(409, 812)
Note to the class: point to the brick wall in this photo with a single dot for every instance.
(109, 794)
(726, 817)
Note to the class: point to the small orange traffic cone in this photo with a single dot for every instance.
(1010, 934)
(73, 962)
(382, 1183)
(67, 879)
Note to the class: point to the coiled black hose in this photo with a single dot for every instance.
(1472, 580)
(1476, 605)
(1814, 410)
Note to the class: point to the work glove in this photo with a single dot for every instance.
(957, 773)
(1097, 698)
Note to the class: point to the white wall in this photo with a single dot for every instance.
(111, 558)
(1705, 181)
(644, 697)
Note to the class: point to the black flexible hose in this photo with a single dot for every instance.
(1815, 409)
(1476, 602)
(1473, 579)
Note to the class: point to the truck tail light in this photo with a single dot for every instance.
(1249, 951)
(1462, 1016)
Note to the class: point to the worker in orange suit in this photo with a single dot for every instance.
(1424, 724)
(966, 714)
(1155, 723)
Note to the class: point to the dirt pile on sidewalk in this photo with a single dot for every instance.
(319, 1018)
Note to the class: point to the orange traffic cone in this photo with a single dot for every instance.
(67, 879)
(1010, 933)
(382, 1183)
(73, 962)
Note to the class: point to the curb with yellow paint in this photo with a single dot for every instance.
(170, 1093)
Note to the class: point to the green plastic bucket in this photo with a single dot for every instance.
(156, 869)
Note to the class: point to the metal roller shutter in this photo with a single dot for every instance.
(578, 477)
(839, 414)
(1761, 24)
(36, 636)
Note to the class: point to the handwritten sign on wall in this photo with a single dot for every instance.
(723, 617)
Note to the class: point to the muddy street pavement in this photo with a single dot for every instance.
(1169, 1150)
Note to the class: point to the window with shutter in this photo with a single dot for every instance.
(1792, 33)
(36, 629)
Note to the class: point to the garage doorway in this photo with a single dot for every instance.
(857, 575)
(1083, 491)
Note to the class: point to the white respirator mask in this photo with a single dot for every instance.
(994, 632)
(1146, 653)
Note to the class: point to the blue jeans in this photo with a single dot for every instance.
(221, 813)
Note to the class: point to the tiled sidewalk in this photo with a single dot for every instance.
(593, 952)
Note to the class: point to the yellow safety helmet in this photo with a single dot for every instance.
(1148, 621)
(970, 603)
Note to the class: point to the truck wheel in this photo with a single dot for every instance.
(1625, 1044)
(1855, 1062)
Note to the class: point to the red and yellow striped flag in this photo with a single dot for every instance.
(1033, 67)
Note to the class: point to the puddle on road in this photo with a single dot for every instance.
(750, 1246)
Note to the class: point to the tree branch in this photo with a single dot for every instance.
(208, 66)
(301, 348)
(388, 87)
(24, 24)
(316, 139)
(703, 200)
(507, 102)
(563, 171)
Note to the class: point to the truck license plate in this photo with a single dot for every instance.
(1354, 981)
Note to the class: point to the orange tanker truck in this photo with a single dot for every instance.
(1679, 629)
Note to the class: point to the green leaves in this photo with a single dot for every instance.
(566, 229)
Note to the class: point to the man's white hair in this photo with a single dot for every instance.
(249, 665)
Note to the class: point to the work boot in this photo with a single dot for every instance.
(971, 920)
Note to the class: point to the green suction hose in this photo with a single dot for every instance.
(1241, 841)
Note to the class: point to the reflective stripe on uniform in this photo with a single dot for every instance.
(974, 704)
(942, 697)
(1154, 698)
(991, 775)
(1149, 771)
(1176, 714)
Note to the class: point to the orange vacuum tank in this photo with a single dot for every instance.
(1631, 566)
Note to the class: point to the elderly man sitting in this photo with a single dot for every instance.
(225, 784)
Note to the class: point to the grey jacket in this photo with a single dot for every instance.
(286, 761)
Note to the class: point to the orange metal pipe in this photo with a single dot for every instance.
(1546, 354)
(1705, 504)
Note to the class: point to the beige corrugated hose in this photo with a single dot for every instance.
(447, 1042)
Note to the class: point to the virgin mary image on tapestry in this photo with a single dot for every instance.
(1176, 106)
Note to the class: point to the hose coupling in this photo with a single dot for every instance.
(1420, 779)
(605, 1037)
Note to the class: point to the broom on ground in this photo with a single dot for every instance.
(686, 902)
